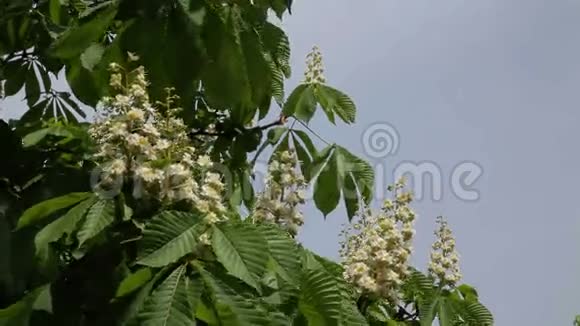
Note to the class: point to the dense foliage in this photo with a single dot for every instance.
(146, 213)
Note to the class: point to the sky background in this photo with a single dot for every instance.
(495, 82)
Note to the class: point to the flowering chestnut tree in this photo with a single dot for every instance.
(146, 213)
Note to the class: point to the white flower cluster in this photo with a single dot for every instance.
(285, 190)
(444, 265)
(314, 73)
(377, 248)
(150, 146)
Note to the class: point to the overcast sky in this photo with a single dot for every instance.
(495, 82)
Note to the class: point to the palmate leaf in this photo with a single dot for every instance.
(232, 308)
(133, 282)
(301, 103)
(351, 316)
(360, 171)
(471, 313)
(277, 87)
(37, 136)
(239, 73)
(242, 251)
(225, 78)
(327, 186)
(418, 286)
(304, 158)
(320, 300)
(169, 236)
(335, 101)
(169, 46)
(283, 253)
(140, 297)
(339, 171)
(305, 98)
(18, 314)
(169, 303)
(15, 71)
(77, 38)
(257, 67)
(277, 44)
(428, 308)
(46, 208)
(305, 150)
(67, 224)
(99, 216)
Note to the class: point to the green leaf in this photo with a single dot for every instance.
(92, 56)
(18, 314)
(169, 236)
(99, 216)
(301, 103)
(320, 301)
(78, 38)
(277, 88)
(357, 179)
(129, 316)
(16, 73)
(428, 308)
(468, 292)
(32, 88)
(351, 316)
(84, 84)
(472, 312)
(54, 11)
(170, 47)
(283, 251)
(133, 282)
(225, 77)
(46, 208)
(320, 160)
(275, 134)
(259, 72)
(280, 6)
(445, 313)
(195, 291)
(242, 251)
(37, 136)
(232, 308)
(350, 196)
(276, 42)
(307, 141)
(335, 101)
(67, 224)
(362, 173)
(169, 303)
(304, 159)
(327, 187)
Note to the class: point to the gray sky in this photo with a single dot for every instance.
(492, 81)
(495, 82)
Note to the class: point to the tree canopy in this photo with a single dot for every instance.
(131, 200)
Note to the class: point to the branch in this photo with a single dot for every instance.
(282, 120)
